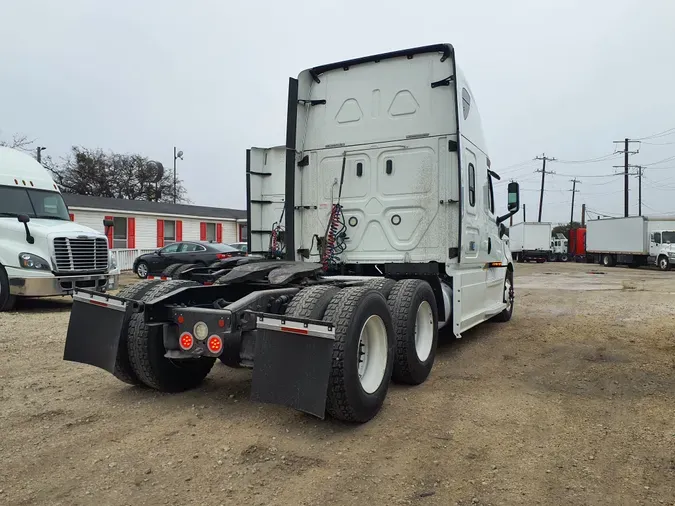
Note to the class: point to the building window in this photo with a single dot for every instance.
(210, 231)
(169, 231)
(120, 233)
(472, 185)
(243, 233)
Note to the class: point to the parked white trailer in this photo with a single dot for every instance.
(530, 241)
(381, 205)
(634, 241)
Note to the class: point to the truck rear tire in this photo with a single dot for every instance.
(363, 354)
(311, 302)
(415, 319)
(7, 300)
(146, 351)
(608, 260)
(170, 270)
(382, 285)
(123, 370)
(564, 257)
(506, 314)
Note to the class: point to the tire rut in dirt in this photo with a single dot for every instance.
(170, 270)
(123, 370)
(311, 302)
(404, 302)
(348, 311)
(146, 351)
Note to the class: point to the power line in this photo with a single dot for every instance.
(660, 134)
(660, 161)
(585, 175)
(543, 158)
(658, 143)
(602, 158)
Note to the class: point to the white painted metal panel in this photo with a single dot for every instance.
(618, 235)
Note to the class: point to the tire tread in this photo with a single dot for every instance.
(139, 353)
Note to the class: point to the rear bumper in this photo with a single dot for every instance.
(47, 284)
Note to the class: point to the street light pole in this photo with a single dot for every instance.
(176, 155)
(40, 149)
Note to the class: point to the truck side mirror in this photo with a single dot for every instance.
(513, 204)
(23, 218)
(514, 197)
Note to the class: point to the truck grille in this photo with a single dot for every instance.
(80, 254)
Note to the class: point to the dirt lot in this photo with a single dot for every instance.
(571, 402)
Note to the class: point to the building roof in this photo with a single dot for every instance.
(144, 206)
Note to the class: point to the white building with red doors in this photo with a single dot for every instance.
(142, 226)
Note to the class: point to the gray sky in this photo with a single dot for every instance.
(210, 76)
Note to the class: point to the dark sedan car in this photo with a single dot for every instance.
(201, 253)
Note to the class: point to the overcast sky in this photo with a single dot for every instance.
(210, 76)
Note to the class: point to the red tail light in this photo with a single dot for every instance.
(215, 344)
(221, 256)
(186, 341)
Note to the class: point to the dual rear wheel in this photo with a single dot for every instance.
(383, 330)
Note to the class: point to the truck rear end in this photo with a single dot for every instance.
(531, 241)
(374, 217)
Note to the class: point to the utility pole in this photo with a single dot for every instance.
(40, 149)
(574, 190)
(626, 142)
(544, 159)
(640, 169)
(583, 215)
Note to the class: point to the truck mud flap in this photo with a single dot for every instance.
(94, 330)
(292, 364)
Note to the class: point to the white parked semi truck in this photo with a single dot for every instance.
(42, 252)
(559, 249)
(634, 241)
(530, 241)
(379, 227)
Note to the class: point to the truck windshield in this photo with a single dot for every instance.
(31, 202)
(668, 237)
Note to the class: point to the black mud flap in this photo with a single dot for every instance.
(94, 331)
(292, 364)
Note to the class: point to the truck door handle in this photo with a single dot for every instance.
(489, 245)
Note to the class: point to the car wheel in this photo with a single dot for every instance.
(142, 270)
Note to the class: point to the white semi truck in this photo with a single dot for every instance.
(559, 249)
(530, 241)
(42, 252)
(634, 241)
(379, 226)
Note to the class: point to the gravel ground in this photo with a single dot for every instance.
(569, 403)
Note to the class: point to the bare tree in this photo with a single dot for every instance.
(127, 176)
(20, 142)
